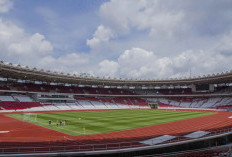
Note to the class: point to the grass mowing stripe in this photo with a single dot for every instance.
(109, 121)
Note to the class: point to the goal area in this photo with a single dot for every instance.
(30, 116)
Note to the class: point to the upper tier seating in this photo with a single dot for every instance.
(6, 98)
(23, 98)
(208, 103)
(62, 89)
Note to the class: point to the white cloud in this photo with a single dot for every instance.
(17, 44)
(32, 44)
(5, 6)
(136, 63)
(71, 62)
(151, 39)
(121, 15)
(225, 44)
(140, 63)
(34, 50)
(176, 42)
(107, 68)
(101, 35)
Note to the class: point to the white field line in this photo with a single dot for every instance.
(2, 132)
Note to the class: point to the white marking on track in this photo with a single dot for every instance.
(2, 132)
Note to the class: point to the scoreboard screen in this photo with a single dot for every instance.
(202, 87)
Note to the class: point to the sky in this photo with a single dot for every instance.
(142, 39)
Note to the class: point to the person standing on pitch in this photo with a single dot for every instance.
(49, 122)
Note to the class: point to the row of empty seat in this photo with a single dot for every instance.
(26, 103)
(211, 103)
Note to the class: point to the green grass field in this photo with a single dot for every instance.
(95, 122)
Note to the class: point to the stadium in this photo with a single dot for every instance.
(56, 114)
(120, 78)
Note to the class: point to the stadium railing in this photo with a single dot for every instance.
(95, 147)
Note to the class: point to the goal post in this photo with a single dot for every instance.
(30, 116)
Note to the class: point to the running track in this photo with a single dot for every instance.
(21, 131)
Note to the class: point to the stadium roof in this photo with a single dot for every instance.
(9, 70)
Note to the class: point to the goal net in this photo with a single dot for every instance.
(30, 116)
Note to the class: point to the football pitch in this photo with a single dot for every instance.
(95, 122)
